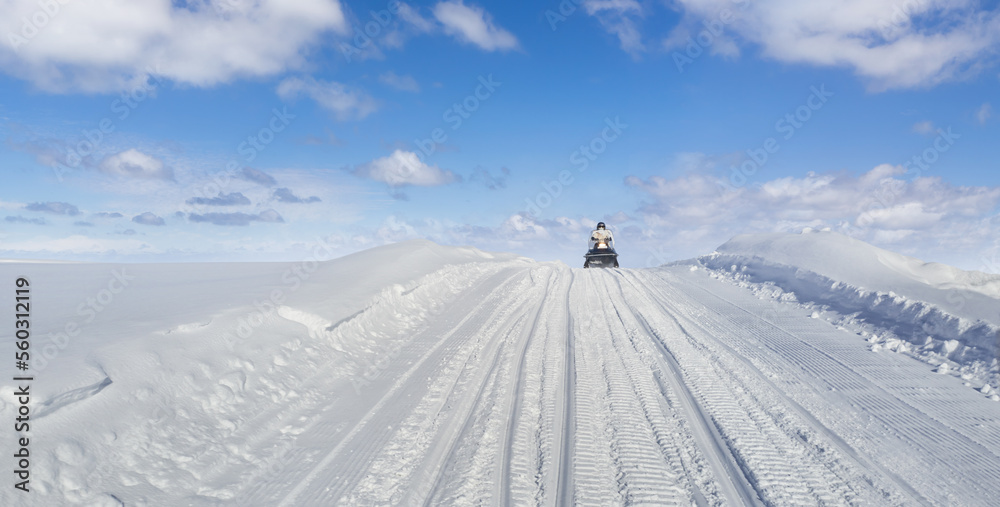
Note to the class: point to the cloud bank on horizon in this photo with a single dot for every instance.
(226, 129)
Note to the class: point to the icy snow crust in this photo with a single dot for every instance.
(421, 374)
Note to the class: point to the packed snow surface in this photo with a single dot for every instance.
(421, 374)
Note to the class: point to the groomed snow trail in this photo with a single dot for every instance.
(542, 385)
(503, 381)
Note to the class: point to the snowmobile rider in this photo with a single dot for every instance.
(601, 237)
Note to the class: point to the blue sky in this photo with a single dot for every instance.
(238, 130)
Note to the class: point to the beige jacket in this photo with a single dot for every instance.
(602, 234)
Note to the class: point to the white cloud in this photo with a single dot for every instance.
(414, 19)
(474, 25)
(148, 218)
(366, 43)
(907, 216)
(923, 214)
(523, 228)
(344, 102)
(891, 44)
(6, 205)
(257, 176)
(469, 24)
(984, 113)
(394, 229)
(238, 219)
(136, 164)
(405, 83)
(924, 127)
(57, 208)
(404, 168)
(106, 45)
(616, 16)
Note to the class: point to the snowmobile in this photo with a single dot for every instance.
(601, 253)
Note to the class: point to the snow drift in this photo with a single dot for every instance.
(159, 378)
(945, 312)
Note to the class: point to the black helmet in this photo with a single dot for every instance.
(600, 225)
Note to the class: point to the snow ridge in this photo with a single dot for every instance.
(944, 316)
(927, 326)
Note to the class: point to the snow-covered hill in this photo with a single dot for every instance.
(417, 373)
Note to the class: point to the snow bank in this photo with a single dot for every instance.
(938, 308)
(152, 381)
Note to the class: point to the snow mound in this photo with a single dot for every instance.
(941, 309)
(156, 378)
(843, 258)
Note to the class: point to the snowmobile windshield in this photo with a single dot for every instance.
(601, 239)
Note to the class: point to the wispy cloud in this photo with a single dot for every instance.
(21, 220)
(237, 219)
(330, 139)
(924, 127)
(77, 244)
(56, 208)
(405, 83)
(489, 180)
(231, 199)
(344, 102)
(412, 17)
(473, 25)
(285, 195)
(256, 176)
(47, 152)
(619, 18)
(984, 113)
(148, 218)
